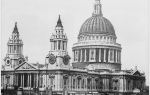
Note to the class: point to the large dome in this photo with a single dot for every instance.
(97, 25)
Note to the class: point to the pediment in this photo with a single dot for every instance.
(137, 73)
(26, 66)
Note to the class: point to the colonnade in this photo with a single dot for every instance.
(97, 55)
(15, 49)
(27, 80)
(87, 84)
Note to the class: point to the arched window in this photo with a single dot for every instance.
(89, 37)
(74, 81)
(92, 54)
(129, 82)
(65, 78)
(115, 84)
(97, 83)
(82, 83)
(79, 82)
(51, 80)
(101, 84)
(88, 83)
(58, 45)
(97, 37)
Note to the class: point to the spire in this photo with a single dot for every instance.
(15, 28)
(97, 8)
(59, 23)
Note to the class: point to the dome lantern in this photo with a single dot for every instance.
(97, 8)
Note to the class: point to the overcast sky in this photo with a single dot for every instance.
(37, 19)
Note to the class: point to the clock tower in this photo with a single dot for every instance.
(58, 56)
(14, 56)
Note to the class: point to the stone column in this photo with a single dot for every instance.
(104, 55)
(46, 82)
(34, 80)
(23, 80)
(107, 84)
(53, 45)
(95, 54)
(116, 56)
(124, 83)
(66, 45)
(16, 79)
(112, 55)
(37, 80)
(85, 86)
(73, 56)
(81, 56)
(30, 80)
(76, 82)
(121, 84)
(119, 56)
(57, 44)
(109, 55)
(100, 55)
(61, 45)
(77, 55)
(89, 55)
(85, 56)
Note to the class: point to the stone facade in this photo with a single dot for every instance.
(95, 70)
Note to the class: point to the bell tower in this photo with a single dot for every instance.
(58, 55)
(14, 55)
(58, 40)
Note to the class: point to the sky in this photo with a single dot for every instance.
(36, 20)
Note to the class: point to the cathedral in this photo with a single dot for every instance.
(95, 69)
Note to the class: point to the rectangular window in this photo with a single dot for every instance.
(92, 54)
(114, 55)
(111, 55)
(63, 46)
(87, 54)
(58, 45)
(83, 55)
(97, 55)
(54, 45)
(107, 54)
